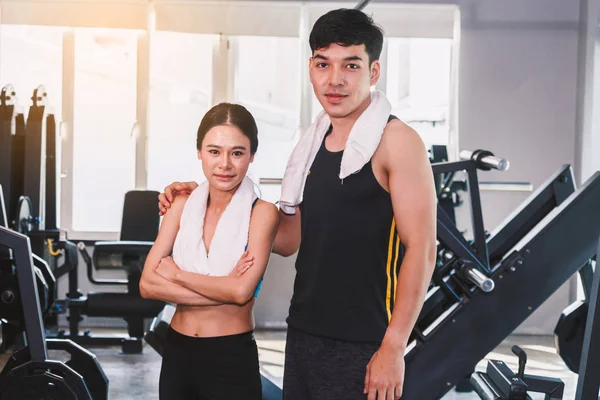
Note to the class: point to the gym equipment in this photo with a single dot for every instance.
(570, 329)
(32, 211)
(483, 289)
(139, 228)
(29, 188)
(362, 4)
(499, 382)
(587, 355)
(157, 334)
(588, 383)
(447, 186)
(569, 334)
(12, 146)
(29, 374)
(9, 292)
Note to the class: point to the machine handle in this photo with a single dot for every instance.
(480, 280)
(519, 352)
(468, 271)
(485, 159)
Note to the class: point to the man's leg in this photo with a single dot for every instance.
(294, 385)
(336, 369)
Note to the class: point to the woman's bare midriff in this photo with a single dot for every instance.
(212, 321)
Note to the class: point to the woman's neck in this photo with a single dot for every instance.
(218, 199)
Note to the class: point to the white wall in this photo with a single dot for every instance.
(517, 98)
(591, 144)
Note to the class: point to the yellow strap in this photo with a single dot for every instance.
(52, 252)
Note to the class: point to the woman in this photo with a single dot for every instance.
(210, 352)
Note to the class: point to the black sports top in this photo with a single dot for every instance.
(350, 254)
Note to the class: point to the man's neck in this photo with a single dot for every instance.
(341, 127)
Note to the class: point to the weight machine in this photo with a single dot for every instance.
(28, 177)
(483, 289)
(29, 373)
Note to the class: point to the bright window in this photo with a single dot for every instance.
(180, 95)
(103, 127)
(418, 85)
(31, 56)
(267, 82)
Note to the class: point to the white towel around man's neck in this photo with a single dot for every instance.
(229, 240)
(360, 147)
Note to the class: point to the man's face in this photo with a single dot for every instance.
(342, 78)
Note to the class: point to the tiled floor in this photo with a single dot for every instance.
(136, 376)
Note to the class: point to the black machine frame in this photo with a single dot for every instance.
(588, 383)
(29, 371)
(530, 245)
(34, 326)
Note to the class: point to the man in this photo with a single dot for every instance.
(353, 307)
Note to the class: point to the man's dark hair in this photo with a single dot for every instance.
(233, 115)
(347, 27)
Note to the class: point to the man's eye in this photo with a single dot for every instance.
(353, 66)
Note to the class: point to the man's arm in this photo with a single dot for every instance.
(154, 286)
(414, 202)
(166, 198)
(240, 289)
(412, 190)
(287, 240)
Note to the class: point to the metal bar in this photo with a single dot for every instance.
(270, 181)
(587, 279)
(143, 92)
(477, 217)
(493, 162)
(66, 133)
(505, 187)
(482, 323)
(32, 313)
(589, 367)
(451, 166)
(452, 239)
(362, 4)
(3, 218)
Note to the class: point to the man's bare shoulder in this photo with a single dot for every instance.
(398, 135)
(399, 142)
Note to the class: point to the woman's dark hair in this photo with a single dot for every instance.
(229, 114)
(347, 27)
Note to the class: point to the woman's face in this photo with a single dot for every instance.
(225, 156)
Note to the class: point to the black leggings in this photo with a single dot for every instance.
(214, 368)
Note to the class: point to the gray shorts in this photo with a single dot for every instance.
(321, 368)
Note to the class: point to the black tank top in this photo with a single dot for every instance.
(350, 254)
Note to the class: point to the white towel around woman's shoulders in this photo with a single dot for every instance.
(362, 142)
(230, 237)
